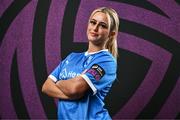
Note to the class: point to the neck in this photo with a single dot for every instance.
(95, 48)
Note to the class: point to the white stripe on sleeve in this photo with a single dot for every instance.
(53, 78)
(89, 83)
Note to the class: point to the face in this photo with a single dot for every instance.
(98, 28)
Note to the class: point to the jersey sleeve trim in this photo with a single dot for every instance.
(89, 83)
(53, 78)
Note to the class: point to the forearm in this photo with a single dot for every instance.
(52, 90)
(75, 88)
(66, 86)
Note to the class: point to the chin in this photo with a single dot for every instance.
(92, 39)
(96, 42)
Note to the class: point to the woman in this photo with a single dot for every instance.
(82, 80)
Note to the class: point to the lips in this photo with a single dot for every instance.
(93, 34)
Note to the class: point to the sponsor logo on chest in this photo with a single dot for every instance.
(65, 74)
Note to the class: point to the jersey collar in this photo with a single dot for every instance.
(91, 53)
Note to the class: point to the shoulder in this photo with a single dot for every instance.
(105, 57)
(104, 60)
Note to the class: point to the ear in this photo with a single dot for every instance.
(112, 34)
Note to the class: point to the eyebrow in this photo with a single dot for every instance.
(100, 22)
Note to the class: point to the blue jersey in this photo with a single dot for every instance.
(100, 72)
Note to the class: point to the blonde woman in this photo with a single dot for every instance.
(82, 80)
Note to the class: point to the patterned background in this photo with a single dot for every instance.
(36, 34)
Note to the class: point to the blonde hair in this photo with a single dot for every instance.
(113, 19)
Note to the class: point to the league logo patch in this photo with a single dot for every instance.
(97, 71)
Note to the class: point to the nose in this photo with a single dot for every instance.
(95, 28)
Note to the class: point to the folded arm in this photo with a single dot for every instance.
(74, 88)
(50, 88)
(70, 89)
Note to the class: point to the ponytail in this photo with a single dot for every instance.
(111, 44)
(112, 47)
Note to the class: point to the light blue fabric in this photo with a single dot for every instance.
(101, 77)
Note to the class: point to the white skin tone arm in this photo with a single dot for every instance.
(69, 89)
(50, 88)
(75, 88)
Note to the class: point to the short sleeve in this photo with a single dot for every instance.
(54, 75)
(101, 73)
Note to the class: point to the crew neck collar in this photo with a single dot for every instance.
(90, 53)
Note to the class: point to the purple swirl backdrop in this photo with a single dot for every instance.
(36, 35)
